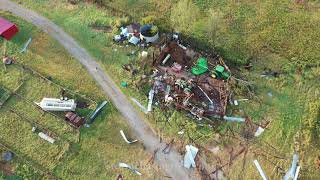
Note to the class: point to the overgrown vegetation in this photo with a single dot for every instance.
(100, 146)
(281, 35)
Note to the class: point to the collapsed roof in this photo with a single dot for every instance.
(188, 81)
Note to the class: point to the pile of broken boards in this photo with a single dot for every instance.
(188, 81)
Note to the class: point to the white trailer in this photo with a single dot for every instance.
(51, 104)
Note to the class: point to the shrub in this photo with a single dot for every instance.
(147, 20)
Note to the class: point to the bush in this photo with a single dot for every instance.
(119, 22)
(147, 20)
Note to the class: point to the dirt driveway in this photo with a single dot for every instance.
(169, 163)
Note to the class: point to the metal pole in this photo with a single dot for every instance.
(264, 177)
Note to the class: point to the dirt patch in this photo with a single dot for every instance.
(106, 29)
(318, 162)
(6, 168)
(82, 104)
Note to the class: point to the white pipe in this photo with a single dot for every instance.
(24, 49)
(205, 94)
(292, 171)
(297, 173)
(125, 138)
(182, 46)
(264, 177)
(234, 119)
(166, 59)
(140, 105)
(151, 95)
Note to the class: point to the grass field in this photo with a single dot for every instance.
(92, 152)
(274, 42)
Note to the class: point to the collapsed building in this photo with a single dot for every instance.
(189, 81)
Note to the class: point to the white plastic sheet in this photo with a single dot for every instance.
(190, 156)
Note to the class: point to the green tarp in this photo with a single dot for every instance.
(201, 66)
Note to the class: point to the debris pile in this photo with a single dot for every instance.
(7, 60)
(187, 80)
(137, 34)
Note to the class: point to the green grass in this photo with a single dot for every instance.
(272, 34)
(17, 132)
(4, 95)
(101, 146)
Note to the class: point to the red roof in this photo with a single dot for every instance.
(7, 29)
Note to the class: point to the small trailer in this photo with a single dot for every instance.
(51, 104)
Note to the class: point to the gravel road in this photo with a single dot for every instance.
(169, 163)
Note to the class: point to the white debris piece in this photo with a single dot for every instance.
(134, 40)
(124, 31)
(242, 100)
(124, 165)
(235, 102)
(297, 173)
(163, 46)
(167, 93)
(234, 119)
(181, 132)
(264, 177)
(144, 54)
(166, 59)
(182, 46)
(24, 49)
(259, 131)
(140, 105)
(125, 138)
(190, 156)
(151, 95)
(292, 171)
(46, 137)
(205, 94)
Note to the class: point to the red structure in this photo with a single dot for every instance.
(7, 29)
(74, 119)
